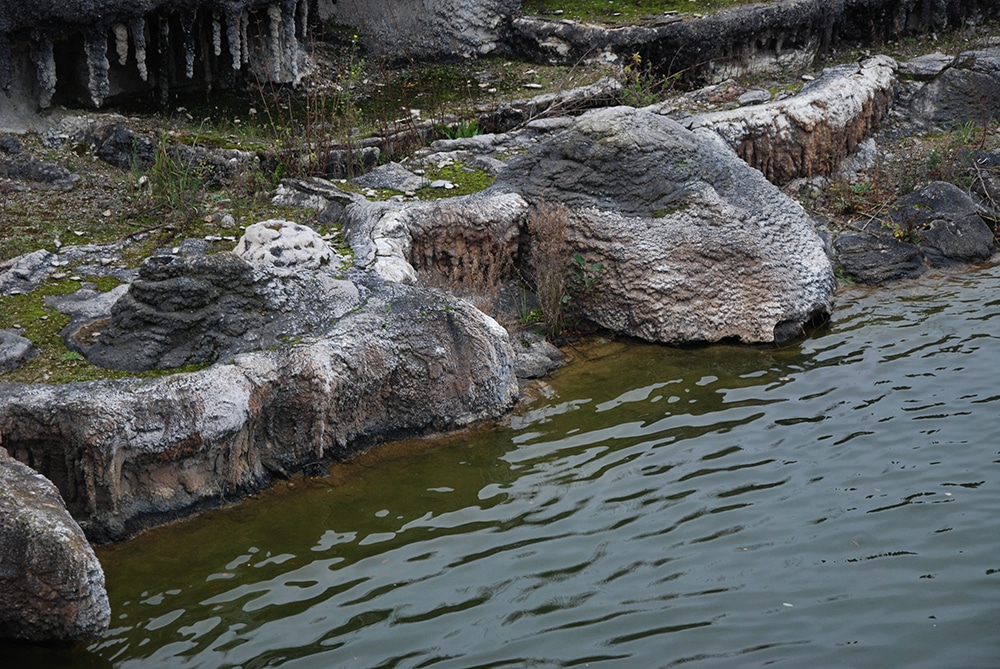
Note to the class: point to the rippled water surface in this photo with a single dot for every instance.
(831, 504)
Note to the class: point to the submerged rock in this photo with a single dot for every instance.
(51, 584)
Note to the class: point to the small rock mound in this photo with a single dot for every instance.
(284, 247)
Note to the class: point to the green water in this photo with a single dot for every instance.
(831, 504)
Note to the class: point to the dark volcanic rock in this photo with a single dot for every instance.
(938, 225)
(947, 224)
(878, 259)
(51, 584)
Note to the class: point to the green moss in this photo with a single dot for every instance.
(41, 324)
(466, 179)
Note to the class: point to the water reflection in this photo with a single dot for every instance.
(826, 504)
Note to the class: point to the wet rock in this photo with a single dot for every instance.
(51, 584)
(15, 350)
(695, 245)
(878, 258)
(534, 358)
(938, 225)
(947, 224)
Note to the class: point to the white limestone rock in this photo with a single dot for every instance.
(283, 247)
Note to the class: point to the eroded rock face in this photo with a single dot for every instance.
(812, 132)
(968, 90)
(447, 238)
(51, 584)
(424, 29)
(756, 38)
(696, 245)
(128, 454)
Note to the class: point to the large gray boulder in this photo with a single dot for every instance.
(51, 584)
(696, 245)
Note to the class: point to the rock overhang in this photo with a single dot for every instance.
(90, 50)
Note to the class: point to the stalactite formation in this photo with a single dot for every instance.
(95, 45)
(172, 43)
(137, 30)
(45, 66)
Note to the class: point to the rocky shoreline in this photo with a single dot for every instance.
(672, 223)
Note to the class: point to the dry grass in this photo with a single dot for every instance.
(549, 261)
(475, 269)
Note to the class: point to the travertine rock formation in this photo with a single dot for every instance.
(51, 584)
